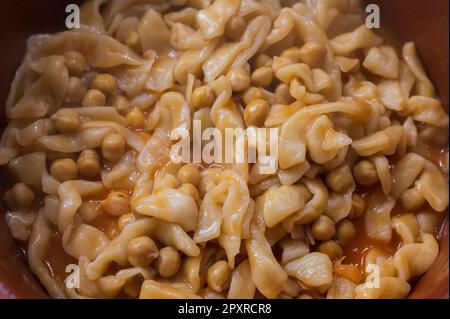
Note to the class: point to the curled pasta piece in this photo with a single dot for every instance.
(101, 113)
(281, 202)
(405, 173)
(29, 168)
(414, 259)
(84, 240)
(150, 40)
(341, 288)
(423, 84)
(241, 286)
(314, 207)
(383, 61)
(427, 110)
(268, 276)
(152, 289)
(282, 26)
(391, 94)
(172, 206)
(122, 175)
(323, 141)
(315, 270)
(384, 173)
(339, 206)
(390, 288)
(378, 217)
(360, 38)
(20, 223)
(292, 175)
(38, 247)
(161, 76)
(433, 187)
(213, 19)
(384, 142)
(407, 227)
(70, 194)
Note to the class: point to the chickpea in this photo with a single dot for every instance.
(122, 104)
(125, 220)
(358, 206)
(189, 174)
(280, 62)
(313, 53)
(218, 276)
(190, 190)
(340, 179)
(142, 251)
(253, 93)
(365, 173)
(239, 79)
(136, 118)
(345, 232)
(76, 90)
(133, 40)
(89, 211)
(64, 170)
(117, 203)
(168, 262)
(256, 112)
(262, 77)
(323, 228)
(113, 147)
(330, 248)
(263, 60)
(293, 54)
(89, 164)
(203, 97)
(76, 63)
(20, 196)
(235, 27)
(94, 97)
(412, 199)
(66, 120)
(105, 83)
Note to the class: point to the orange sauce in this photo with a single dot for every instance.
(57, 259)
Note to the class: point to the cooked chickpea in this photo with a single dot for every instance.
(64, 170)
(66, 120)
(89, 164)
(117, 203)
(358, 206)
(345, 232)
(133, 40)
(168, 262)
(122, 104)
(76, 90)
(89, 211)
(239, 79)
(94, 97)
(75, 62)
(203, 97)
(253, 93)
(20, 196)
(142, 251)
(256, 112)
(412, 199)
(263, 60)
(313, 53)
(331, 248)
(340, 179)
(235, 27)
(189, 174)
(191, 190)
(113, 147)
(218, 276)
(262, 77)
(323, 228)
(136, 118)
(125, 220)
(293, 54)
(365, 173)
(105, 83)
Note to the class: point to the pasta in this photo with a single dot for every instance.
(90, 145)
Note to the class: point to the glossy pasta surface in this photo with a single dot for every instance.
(361, 186)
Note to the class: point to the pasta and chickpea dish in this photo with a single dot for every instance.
(362, 180)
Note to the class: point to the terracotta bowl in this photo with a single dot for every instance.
(422, 21)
